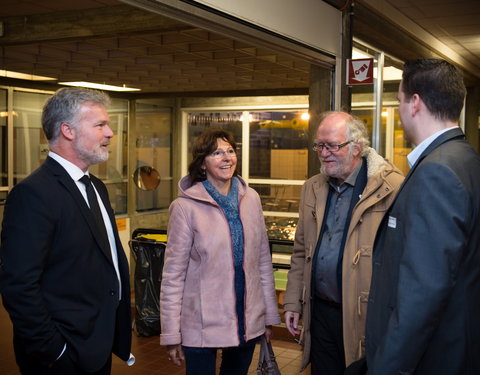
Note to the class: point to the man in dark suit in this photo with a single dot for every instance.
(424, 305)
(64, 276)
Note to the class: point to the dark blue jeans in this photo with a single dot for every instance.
(235, 360)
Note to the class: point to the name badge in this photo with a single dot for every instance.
(392, 222)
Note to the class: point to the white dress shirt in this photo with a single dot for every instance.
(417, 151)
(76, 174)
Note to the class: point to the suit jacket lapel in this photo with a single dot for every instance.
(455, 133)
(445, 137)
(72, 188)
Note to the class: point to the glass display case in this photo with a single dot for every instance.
(281, 251)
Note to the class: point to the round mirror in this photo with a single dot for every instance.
(146, 178)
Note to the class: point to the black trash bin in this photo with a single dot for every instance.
(148, 248)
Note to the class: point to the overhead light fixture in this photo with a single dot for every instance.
(99, 86)
(357, 54)
(305, 116)
(250, 117)
(30, 77)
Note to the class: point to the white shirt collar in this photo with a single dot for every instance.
(417, 151)
(74, 172)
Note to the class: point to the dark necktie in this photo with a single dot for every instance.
(95, 208)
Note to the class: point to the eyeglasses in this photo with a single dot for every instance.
(220, 154)
(318, 147)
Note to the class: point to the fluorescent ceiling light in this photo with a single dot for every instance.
(99, 86)
(390, 73)
(30, 77)
(357, 54)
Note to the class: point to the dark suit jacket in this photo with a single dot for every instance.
(424, 306)
(57, 281)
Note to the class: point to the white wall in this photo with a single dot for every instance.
(311, 22)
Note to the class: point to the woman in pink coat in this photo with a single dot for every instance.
(217, 288)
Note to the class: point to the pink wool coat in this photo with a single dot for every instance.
(197, 295)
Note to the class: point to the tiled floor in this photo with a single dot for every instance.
(151, 357)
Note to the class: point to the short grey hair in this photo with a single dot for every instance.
(356, 130)
(64, 105)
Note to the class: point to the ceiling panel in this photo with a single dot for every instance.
(454, 22)
(174, 58)
(94, 40)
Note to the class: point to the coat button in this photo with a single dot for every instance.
(112, 292)
(308, 259)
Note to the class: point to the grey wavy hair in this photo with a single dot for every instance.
(356, 131)
(64, 106)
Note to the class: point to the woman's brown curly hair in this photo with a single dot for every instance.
(204, 145)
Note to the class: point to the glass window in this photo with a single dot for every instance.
(279, 151)
(279, 145)
(277, 163)
(279, 197)
(401, 147)
(397, 148)
(114, 171)
(390, 133)
(30, 147)
(366, 114)
(153, 149)
(3, 138)
(281, 228)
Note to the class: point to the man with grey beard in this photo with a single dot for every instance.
(64, 276)
(340, 211)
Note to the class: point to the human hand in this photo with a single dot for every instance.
(175, 354)
(291, 321)
(268, 333)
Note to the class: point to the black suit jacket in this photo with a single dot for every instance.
(424, 304)
(57, 280)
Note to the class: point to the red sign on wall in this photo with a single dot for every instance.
(359, 71)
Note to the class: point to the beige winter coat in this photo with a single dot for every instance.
(383, 182)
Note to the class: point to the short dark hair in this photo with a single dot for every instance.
(438, 83)
(204, 145)
(64, 105)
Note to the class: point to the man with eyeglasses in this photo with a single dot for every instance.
(340, 211)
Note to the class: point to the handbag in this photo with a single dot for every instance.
(267, 365)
